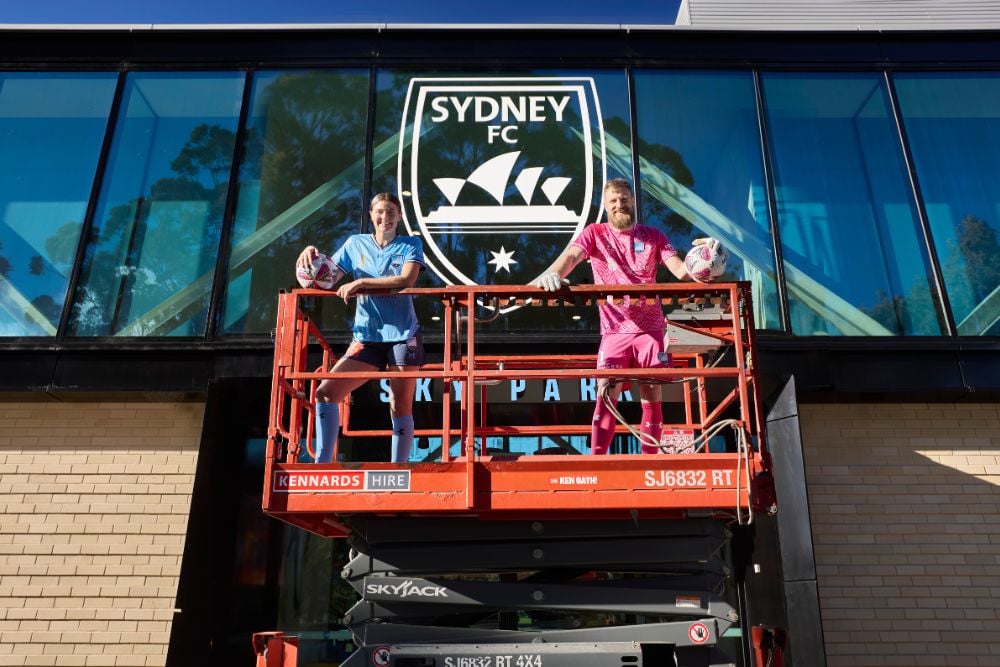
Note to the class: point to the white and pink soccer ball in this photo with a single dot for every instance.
(319, 275)
(706, 261)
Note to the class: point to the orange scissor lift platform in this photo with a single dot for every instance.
(711, 330)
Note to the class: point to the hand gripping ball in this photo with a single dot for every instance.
(319, 275)
(706, 261)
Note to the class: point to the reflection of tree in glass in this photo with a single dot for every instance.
(977, 245)
(5, 265)
(389, 106)
(387, 119)
(670, 162)
(60, 248)
(118, 274)
(48, 307)
(916, 313)
(311, 131)
(655, 213)
(971, 274)
(971, 270)
(43, 303)
(889, 311)
(210, 149)
(679, 229)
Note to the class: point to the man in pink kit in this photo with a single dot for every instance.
(622, 252)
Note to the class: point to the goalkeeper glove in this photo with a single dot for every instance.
(550, 281)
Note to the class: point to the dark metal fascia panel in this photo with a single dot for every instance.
(794, 528)
(806, 644)
(504, 46)
(938, 373)
(491, 46)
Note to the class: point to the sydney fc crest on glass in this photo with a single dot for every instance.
(498, 175)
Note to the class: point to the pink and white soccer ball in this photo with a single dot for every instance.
(706, 261)
(319, 275)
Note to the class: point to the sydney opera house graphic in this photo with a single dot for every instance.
(493, 176)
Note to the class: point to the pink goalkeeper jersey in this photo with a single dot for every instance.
(626, 258)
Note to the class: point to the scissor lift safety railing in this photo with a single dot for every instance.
(711, 326)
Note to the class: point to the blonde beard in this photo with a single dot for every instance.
(621, 221)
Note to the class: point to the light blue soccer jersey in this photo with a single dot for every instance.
(382, 318)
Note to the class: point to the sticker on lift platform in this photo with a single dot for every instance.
(689, 479)
(677, 441)
(574, 480)
(687, 601)
(380, 656)
(698, 633)
(340, 481)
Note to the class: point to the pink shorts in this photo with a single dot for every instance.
(632, 350)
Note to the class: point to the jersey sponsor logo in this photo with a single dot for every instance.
(495, 166)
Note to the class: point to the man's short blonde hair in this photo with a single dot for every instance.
(618, 184)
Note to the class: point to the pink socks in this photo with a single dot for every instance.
(603, 428)
(652, 426)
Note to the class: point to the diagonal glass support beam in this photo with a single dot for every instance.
(151, 322)
(983, 317)
(665, 189)
(23, 312)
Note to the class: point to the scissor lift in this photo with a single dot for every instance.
(482, 559)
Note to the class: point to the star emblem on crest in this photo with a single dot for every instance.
(503, 259)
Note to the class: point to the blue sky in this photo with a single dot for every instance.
(337, 11)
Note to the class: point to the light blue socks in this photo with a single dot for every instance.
(402, 438)
(327, 430)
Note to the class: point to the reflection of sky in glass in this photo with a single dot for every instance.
(952, 122)
(840, 183)
(159, 217)
(854, 258)
(52, 126)
(702, 171)
(706, 117)
(300, 184)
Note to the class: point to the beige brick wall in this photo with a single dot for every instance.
(905, 510)
(94, 502)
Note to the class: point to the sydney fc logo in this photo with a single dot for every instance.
(498, 175)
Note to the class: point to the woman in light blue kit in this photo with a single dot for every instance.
(386, 332)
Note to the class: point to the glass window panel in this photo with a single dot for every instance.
(300, 184)
(952, 124)
(150, 264)
(52, 127)
(555, 136)
(702, 172)
(854, 259)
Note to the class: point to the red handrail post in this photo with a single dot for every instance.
(276, 649)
